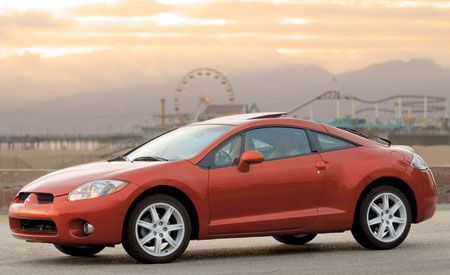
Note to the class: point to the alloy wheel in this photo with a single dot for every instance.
(160, 229)
(387, 217)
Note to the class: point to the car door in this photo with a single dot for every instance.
(281, 193)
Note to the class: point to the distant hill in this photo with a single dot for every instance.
(278, 89)
(418, 76)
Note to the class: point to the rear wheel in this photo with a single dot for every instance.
(158, 230)
(80, 250)
(383, 219)
(295, 239)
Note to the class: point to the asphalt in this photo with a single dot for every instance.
(425, 251)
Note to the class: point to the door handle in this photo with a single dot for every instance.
(321, 165)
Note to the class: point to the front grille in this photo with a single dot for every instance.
(38, 226)
(23, 196)
(44, 197)
(41, 197)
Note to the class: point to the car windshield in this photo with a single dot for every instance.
(182, 143)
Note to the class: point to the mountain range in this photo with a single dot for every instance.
(278, 89)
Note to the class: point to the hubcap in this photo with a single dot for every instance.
(387, 217)
(160, 229)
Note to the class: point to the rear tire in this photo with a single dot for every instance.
(295, 239)
(383, 219)
(80, 250)
(157, 230)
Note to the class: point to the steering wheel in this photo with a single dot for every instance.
(222, 158)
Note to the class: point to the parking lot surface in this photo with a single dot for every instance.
(426, 250)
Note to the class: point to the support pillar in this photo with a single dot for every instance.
(353, 108)
(425, 111)
(376, 112)
(338, 109)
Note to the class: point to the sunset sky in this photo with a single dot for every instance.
(60, 47)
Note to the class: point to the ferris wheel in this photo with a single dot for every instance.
(201, 86)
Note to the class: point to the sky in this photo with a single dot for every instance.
(51, 48)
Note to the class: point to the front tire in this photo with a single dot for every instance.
(158, 230)
(295, 239)
(80, 250)
(383, 219)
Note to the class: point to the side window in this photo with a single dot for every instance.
(229, 153)
(278, 142)
(329, 143)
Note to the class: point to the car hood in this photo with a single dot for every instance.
(63, 181)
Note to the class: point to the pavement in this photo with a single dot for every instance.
(425, 251)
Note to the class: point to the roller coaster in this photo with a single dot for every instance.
(399, 112)
(394, 112)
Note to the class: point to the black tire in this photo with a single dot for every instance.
(295, 239)
(80, 250)
(361, 231)
(130, 240)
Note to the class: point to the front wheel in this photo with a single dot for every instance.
(295, 239)
(158, 230)
(80, 250)
(383, 219)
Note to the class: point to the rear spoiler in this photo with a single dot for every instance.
(366, 135)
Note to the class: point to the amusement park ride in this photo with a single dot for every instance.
(201, 84)
(394, 112)
(205, 93)
(202, 89)
(195, 91)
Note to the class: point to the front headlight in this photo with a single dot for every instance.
(95, 189)
(418, 162)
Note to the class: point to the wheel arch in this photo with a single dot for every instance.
(176, 193)
(394, 182)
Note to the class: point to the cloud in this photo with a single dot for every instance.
(120, 8)
(86, 45)
(32, 20)
(32, 78)
(161, 19)
(46, 5)
(295, 21)
(17, 27)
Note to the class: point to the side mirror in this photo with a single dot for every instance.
(249, 157)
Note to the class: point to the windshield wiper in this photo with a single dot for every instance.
(150, 158)
(119, 158)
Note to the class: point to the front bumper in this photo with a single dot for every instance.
(106, 214)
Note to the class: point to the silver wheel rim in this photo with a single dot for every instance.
(386, 217)
(160, 229)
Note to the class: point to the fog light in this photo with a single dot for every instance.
(88, 228)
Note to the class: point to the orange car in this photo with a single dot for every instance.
(247, 175)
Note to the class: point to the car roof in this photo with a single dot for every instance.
(241, 118)
(246, 121)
